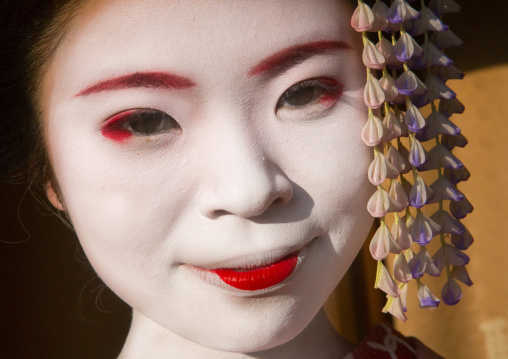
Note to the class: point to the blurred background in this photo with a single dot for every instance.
(52, 306)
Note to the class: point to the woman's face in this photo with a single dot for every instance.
(192, 136)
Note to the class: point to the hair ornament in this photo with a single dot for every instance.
(407, 69)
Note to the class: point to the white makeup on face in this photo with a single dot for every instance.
(197, 143)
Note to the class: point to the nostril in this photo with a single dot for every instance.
(278, 201)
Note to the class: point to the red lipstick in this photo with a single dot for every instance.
(259, 278)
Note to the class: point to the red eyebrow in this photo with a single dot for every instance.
(139, 79)
(289, 57)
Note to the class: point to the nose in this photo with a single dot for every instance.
(241, 181)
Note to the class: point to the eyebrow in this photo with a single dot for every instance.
(157, 80)
(283, 60)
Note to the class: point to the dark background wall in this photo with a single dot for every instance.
(51, 306)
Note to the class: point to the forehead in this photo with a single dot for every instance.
(113, 33)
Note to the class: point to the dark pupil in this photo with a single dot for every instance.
(150, 122)
(303, 96)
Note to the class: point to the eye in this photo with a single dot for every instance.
(140, 122)
(310, 92)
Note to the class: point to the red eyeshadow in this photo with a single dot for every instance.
(112, 129)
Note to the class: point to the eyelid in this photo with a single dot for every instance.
(111, 129)
(333, 91)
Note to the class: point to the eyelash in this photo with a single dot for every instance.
(328, 92)
(123, 125)
(303, 95)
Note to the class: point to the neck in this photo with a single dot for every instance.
(149, 340)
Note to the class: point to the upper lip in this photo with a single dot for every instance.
(253, 260)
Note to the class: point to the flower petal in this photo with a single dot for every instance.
(373, 93)
(382, 243)
(380, 204)
(427, 299)
(380, 11)
(387, 83)
(451, 292)
(428, 22)
(414, 119)
(446, 73)
(397, 160)
(396, 309)
(400, 234)
(440, 7)
(449, 107)
(406, 47)
(385, 282)
(420, 193)
(417, 155)
(460, 273)
(444, 39)
(423, 229)
(460, 209)
(462, 241)
(386, 49)
(437, 89)
(380, 169)
(445, 190)
(450, 142)
(373, 131)
(362, 18)
(439, 156)
(448, 223)
(432, 56)
(437, 124)
(401, 11)
(457, 175)
(401, 271)
(398, 194)
(371, 56)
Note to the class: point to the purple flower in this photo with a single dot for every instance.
(441, 7)
(449, 107)
(445, 190)
(437, 124)
(401, 11)
(420, 193)
(406, 83)
(437, 89)
(439, 156)
(423, 229)
(372, 58)
(413, 118)
(450, 142)
(448, 223)
(460, 209)
(457, 175)
(444, 39)
(449, 255)
(460, 273)
(373, 94)
(417, 155)
(428, 22)
(427, 299)
(432, 56)
(451, 292)
(406, 47)
(362, 18)
(446, 73)
(462, 241)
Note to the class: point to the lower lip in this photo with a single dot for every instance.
(259, 278)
